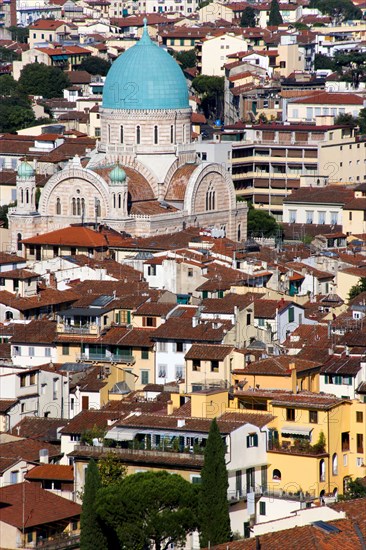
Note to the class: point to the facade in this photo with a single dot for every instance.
(145, 177)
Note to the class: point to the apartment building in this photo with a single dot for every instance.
(270, 161)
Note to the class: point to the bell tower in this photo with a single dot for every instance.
(26, 189)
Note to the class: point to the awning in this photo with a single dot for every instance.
(296, 430)
(121, 435)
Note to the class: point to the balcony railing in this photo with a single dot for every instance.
(139, 452)
(112, 358)
(56, 543)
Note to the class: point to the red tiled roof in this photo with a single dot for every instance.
(28, 449)
(209, 352)
(70, 236)
(46, 24)
(325, 98)
(28, 505)
(51, 471)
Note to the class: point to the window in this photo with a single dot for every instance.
(290, 415)
(161, 346)
(195, 479)
(30, 536)
(172, 134)
(162, 371)
(334, 218)
(359, 416)
(190, 272)
(359, 439)
(55, 388)
(292, 214)
(276, 476)
(58, 206)
(313, 417)
(14, 476)
(291, 315)
(179, 347)
(309, 216)
(149, 321)
(321, 218)
(156, 135)
(335, 464)
(322, 470)
(196, 365)
(210, 198)
(345, 460)
(32, 379)
(31, 351)
(144, 377)
(151, 270)
(47, 352)
(121, 136)
(345, 441)
(65, 349)
(214, 366)
(262, 508)
(17, 350)
(252, 440)
(179, 372)
(144, 353)
(138, 135)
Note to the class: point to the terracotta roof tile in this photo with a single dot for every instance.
(28, 449)
(36, 505)
(6, 404)
(209, 352)
(278, 366)
(43, 429)
(178, 183)
(183, 329)
(51, 471)
(70, 236)
(342, 365)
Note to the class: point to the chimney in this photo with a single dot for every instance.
(43, 456)
(292, 368)
(169, 407)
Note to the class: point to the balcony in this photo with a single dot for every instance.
(58, 543)
(63, 328)
(147, 453)
(103, 358)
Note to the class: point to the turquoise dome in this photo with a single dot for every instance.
(117, 175)
(25, 170)
(145, 77)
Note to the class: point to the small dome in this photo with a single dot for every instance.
(117, 175)
(25, 170)
(145, 77)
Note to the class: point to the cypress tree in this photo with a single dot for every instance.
(214, 507)
(275, 17)
(248, 18)
(91, 532)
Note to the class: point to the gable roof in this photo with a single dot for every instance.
(70, 236)
(51, 471)
(27, 505)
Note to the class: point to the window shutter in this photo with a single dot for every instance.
(255, 440)
(248, 440)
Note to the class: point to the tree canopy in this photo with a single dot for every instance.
(211, 90)
(149, 508)
(91, 530)
(275, 17)
(95, 65)
(39, 79)
(248, 18)
(111, 470)
(338, 10)
(186, 59)
(346, 119)
(355, 489)
(213, 503)
(7, 85)
(260, 222)
(322, 61)
(19, 34)
(356, 289)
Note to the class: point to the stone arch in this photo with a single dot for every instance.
(73, 173)
(200, 180)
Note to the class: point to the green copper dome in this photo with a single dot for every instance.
(145, 77)
(25, 170)
(117, 175)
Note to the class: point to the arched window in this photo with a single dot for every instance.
(82, 207)
(119, 200)
(210, 198)
(109, 132)
(184, 133)
(74, 207)
(121, 134)
(27, 196)
(19, 244)
(98, 211)
(335, 464)
(78, 207)
(21, 196)
(239, 231)
(114, 200)
(172, 134)
(58, 206)
(322, 470)
(156, 135)
(276, 475)
(9, 315)
(138, 135)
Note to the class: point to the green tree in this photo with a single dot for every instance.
(92, 535)
(95, 65)
(356, 289)
(355, 489)
(248, 18)
(211, 90)
(15, 113)
(322, 61)
(7, 85)
(19, 34)
(338, 10)
(351, 67)
(8, 55)
(93, 433)
(347, 119)
(150, 508)
(275, 17)
(4, 214)
(186, 59)
(39, 79)
(213, 502)
(261, 223)
(111, 470)
(301, 26)
(361, 121)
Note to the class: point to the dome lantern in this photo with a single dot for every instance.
(25, 170)
(117, 175)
